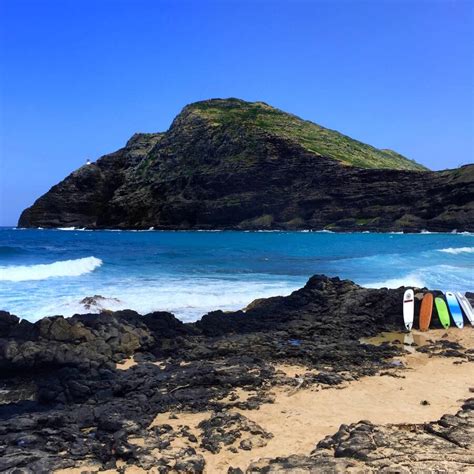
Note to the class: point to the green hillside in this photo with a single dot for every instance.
(311, 136)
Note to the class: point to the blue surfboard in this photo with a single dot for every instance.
(455, 309)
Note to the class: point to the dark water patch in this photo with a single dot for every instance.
(7, 250)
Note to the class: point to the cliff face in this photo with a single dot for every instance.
(237, 165)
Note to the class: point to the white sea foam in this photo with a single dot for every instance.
(188, 299)
(436, 277)
(64, 268)
(163, 278)
(456, 251)
(411, 279)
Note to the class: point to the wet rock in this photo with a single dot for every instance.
(97, 302)
(7, 323)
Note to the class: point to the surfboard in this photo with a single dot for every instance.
(426, 310)
(443, 313)
(466, 306)
(455, 309)
(408, 308)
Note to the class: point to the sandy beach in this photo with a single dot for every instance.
(298, 419)
(285, 386)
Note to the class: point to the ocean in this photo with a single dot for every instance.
(49, 272)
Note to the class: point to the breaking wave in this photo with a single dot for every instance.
(411, 279)
(188, 299)
(65, 268)
(456, 251)
(437, 277)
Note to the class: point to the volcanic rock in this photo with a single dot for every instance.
(231, 164)
(64, 402)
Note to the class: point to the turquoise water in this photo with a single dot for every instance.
(48, 272)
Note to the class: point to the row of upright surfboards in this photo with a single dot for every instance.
(456, 308)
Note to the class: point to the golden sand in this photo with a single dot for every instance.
(298, 419)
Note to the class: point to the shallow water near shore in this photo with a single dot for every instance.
(407, 340)
(48, 272)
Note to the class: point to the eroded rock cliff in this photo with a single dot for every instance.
(231, 164)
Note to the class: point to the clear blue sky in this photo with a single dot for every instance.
(78, 78)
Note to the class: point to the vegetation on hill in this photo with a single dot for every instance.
(313, 137)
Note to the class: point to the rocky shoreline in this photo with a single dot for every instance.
(113, 390)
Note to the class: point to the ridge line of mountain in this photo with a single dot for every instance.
(231, 164)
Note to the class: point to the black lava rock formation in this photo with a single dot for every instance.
(63, 401)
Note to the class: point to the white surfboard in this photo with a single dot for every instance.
(408, 308)
(466, 306)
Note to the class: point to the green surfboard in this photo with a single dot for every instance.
(443, 312)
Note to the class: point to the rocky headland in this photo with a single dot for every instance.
(302, 383)
(231, 164)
